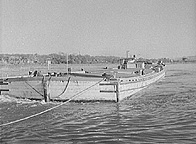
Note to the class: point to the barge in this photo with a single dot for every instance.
(107, 84)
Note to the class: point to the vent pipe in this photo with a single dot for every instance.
(127, 53)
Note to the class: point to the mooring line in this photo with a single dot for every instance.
(34, 115)
(34, 89)
(64, 88)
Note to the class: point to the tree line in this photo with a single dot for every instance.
(62, 58)
(54, 58)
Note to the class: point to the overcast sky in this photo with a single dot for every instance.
(148, 28)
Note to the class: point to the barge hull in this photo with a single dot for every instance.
(77, 88)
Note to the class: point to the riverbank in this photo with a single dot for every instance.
(21, 69)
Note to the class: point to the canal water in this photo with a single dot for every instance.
(165, 112)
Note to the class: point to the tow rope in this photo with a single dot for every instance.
(48, 84)
(34, 89)
(37, 114)
(64, 88)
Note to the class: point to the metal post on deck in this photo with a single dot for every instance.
(49, 63)
(67, 63)
(117, 92)
(127, 54)
(46, 96)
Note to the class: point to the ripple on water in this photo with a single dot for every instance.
(165, 112)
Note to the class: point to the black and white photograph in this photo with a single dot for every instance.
(97, 71)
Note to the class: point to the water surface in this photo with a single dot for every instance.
(165, 112)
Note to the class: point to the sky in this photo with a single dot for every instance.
(146, 28)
